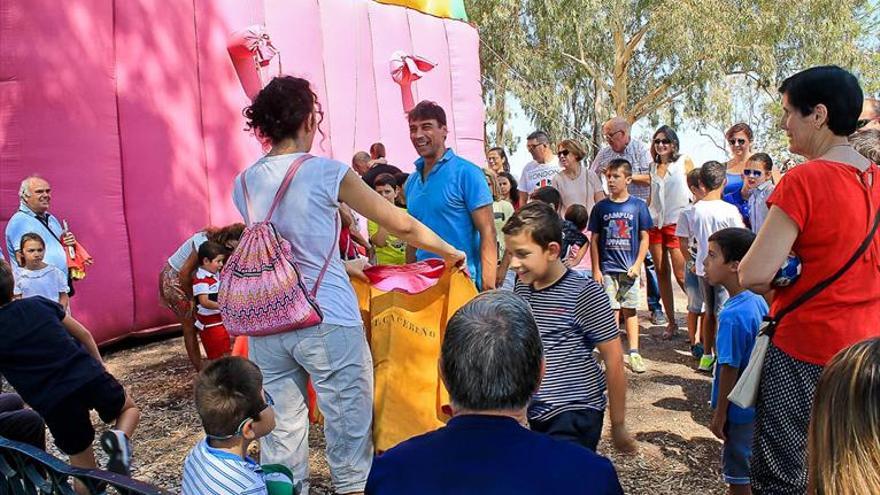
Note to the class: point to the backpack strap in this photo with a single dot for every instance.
(806, 296)
(291, 171)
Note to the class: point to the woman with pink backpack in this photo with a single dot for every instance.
(294, 198)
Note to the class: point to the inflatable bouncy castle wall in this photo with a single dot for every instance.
(132, 111)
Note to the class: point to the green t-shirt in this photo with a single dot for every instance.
(394, 251)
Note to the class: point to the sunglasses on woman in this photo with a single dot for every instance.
(562, 153)
(737, 142)
(662, 141)
(750, 172)
(268, 402)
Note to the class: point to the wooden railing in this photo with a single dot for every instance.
(25, 470)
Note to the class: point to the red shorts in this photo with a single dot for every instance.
(665, 236)
(214, 337)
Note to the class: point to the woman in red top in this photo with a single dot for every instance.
(822, 210)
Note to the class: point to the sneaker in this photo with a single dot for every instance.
(697, 350)
(658, 318)
(636, 363)
(115, 443)
(706, 362)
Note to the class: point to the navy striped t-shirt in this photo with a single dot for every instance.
(573, 315)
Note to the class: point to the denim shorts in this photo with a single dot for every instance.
(581, 426)
(622, 289)
(694, 293)
(736, 453)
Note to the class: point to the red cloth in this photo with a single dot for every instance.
(411, 279)
(834, 210)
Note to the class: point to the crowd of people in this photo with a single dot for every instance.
(530, 367)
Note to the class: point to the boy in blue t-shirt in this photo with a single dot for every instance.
(619, 244)
(738, 325)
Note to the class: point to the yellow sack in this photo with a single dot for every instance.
(405, 331)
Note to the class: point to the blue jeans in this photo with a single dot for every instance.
(653, 286)
(339, 362)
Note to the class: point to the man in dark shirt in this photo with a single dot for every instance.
(491, 362)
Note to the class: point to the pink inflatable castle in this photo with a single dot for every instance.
(132, 111)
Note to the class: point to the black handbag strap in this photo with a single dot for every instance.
(806, 296)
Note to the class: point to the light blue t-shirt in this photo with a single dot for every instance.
(215, 471)
(738, 325)
(453, 190)
(48, 282)
(308, 218)
(25, 221)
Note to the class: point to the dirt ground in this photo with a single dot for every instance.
(667, 412)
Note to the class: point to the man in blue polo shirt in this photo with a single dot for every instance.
(450, 196)
(33, 216)
(491, 362)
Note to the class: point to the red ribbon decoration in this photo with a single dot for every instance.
(406, 69)
(251, 50)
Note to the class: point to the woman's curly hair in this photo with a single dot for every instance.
(281, 108)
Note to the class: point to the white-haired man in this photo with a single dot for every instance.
(33, 216)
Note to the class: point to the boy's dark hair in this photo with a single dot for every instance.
(734, 242)
(210, 250)
(385, 180)
(539, 220)
(764, 159)
(427, 110)
(228, 391)
(7, 283)
(693, 178)
(30, 236)
(578, 215)
(713, 175)
(549, 195)
(620, 164)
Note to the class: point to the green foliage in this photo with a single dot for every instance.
(574, 63)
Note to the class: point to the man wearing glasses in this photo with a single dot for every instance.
(621, 145)
(540, 171)
(870, 117)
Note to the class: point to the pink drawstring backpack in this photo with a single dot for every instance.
(261, 286)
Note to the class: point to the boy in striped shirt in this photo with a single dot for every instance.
(235, 411)
(574, 316)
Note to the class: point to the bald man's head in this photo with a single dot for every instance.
(360, 162)
(616, 132)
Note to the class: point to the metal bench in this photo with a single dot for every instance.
(25, 470)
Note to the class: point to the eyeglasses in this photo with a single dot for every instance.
(563, 153)
(662, 141)
(269, 402)
(862, 123)
(609, 137)
(750, 172)
(532, 147)
(737, 142)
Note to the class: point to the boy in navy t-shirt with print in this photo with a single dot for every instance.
(738, 325)
(573, 317)
(619, 226)
(53, 363)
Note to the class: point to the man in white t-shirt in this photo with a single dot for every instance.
(540, 171)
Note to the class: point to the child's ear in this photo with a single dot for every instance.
(248, 433)
(555, 249)
(734, 266)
